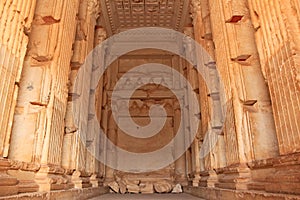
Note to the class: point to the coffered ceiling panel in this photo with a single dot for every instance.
(121, 15)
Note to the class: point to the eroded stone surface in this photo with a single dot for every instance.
(114, 186)
(163, 187)
(177, 189)
(146, 188)
(254, 47)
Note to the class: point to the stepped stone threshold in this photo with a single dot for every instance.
(248, 98)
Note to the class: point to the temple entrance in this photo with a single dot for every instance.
(154, 93)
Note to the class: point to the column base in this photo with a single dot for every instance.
(52, 178)
(8, 184)
(234, 177)
(26, 180)
(80, 181)
(279, 174)
(95, 181)
(196, 180)
(208, 179)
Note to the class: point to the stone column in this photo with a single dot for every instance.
(43, 91)
(95, 109)
(111, 152)
(210, 103)
(280, 63)
(9, 184)
(277, 28)
(180, 164)
(237, 60)
(192, 77)
(104, 126)
(16, 20)
(77, 135)
(254, 96)
(100, 36)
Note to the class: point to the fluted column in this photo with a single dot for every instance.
(277, 35)
(16, 20)
(111, 155)
(95, 109)
(180, 164)
(237, 60)
(193, 79)
(211, 98)
(277, 30)
(77, 138)
(39, 123)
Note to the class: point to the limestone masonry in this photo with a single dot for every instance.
(248, 95)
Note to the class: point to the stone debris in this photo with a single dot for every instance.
(123, 187)
(114, 186)
(177, 189)
(146, 188)
(133, 189)
(163, 187)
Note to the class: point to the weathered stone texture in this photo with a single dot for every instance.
(277, 37)
(16, 18)
(250, 106)
(51, 105)
(76, 135)
(39, 123)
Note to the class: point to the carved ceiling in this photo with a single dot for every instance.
(122, 15)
